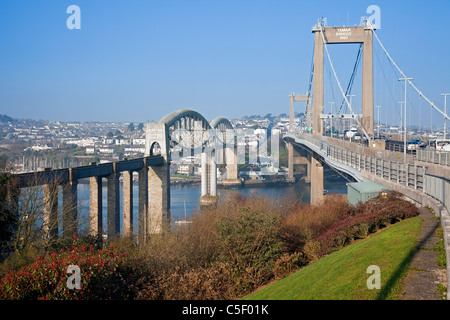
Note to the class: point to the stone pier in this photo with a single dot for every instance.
(127, 211)
(209, 179)
(158, 199)
(113, 209)
(70, 204)
(50, 222)
(143, 203)
(95, 206)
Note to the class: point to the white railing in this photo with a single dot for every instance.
(407, 174)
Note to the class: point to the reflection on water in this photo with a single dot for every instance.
(185, 199)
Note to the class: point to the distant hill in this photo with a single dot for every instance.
(5, 118)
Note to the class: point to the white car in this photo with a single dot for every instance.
(351, 133)
(440, 143)
(446, 147)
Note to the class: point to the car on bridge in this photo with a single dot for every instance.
(431, 144)
(414, 144)
(446, 148)
(441, 143)
(351, 133)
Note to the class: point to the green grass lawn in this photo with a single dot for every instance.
(342, 274)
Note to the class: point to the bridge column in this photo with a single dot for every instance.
(209, 180)
(113, 219)
(231, 160)
(290, 148)
(158, 199)
(127, 211)
(158, 208)
(367, 83)
(204, 175)
(143, 203)
(70, 200)
(95, 207)
(316, 180)
(12, 198)
(212, 176)
(50, 223)
(232, 167)
(308, 167)
(318, 92)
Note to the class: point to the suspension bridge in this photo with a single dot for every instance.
(422, 176)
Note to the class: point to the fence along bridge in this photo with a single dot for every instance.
(153, 182)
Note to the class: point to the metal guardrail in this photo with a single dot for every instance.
(432, 156)
(399, 172)
(438, 188)
(408, 174)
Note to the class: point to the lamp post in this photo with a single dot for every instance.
(445, 111)
(404, 120)
(350, 106)
(332, 116)
(378, 107)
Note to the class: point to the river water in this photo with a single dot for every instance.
(185, 198)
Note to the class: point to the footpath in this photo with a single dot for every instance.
(425, 275)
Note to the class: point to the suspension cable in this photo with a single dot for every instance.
(369, 25)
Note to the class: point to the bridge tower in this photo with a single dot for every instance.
(338, 35)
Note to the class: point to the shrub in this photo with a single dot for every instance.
(104, 275)
(288, 263)
(250, 243)
(369, 217)
(308, 222)
(212, 283)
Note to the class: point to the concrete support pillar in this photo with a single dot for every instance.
(316, 181)
(70, 200)
(308, 166)
(308, 114)
(13, 194)
(50, 223)
(232, 165)
(95, 207)
(209, 180)
(212, 176)
(231, 159)
(318, 92)
(143, 203)
(113, 209)
(291, 113)
(204, 174)
(367, 83)
(159, 199)
(127, 211)
(290, 148)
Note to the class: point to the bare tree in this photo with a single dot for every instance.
(41, 214)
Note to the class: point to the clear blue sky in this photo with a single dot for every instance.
(137, 60)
